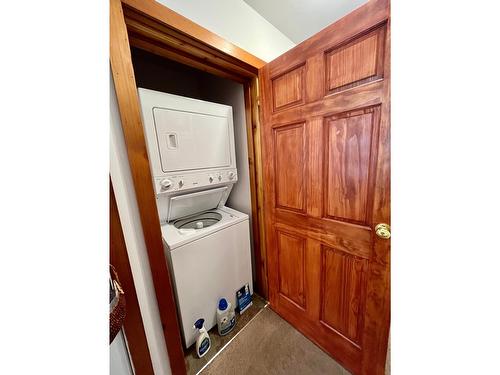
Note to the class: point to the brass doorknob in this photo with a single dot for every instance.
(383, 231)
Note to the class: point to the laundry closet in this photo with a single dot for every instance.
(194, 125)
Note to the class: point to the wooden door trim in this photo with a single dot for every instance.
(133, 325)
(130, 115)
(256, 187)
(149, 25)
(178, 28)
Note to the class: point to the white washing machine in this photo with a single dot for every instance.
(191, 151)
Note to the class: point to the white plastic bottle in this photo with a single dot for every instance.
(203, 341)
(226, 319)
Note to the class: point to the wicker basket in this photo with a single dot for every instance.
(116, 306)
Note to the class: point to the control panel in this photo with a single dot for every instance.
(188, 181)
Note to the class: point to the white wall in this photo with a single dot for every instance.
(119, 359)
(237, 22)
(312, 16)
(136, 248)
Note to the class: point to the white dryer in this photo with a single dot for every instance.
(191, 151)
(190, 145)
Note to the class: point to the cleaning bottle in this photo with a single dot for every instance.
(203, 340)
(225, 317)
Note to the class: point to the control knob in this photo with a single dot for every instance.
(166, 184)
(181, 183)
(231, 175)
(219, 177)
(210, 179)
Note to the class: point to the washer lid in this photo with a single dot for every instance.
(188, 204)
(175, 239)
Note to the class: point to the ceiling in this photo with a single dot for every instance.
(299, 19)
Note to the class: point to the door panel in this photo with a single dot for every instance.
(291, 252)
(325, 135)
(342, 284)
(290, 153)
(288, 88)
(348, 150)
(357, 62)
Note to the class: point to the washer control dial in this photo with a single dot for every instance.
(181, 183)
(231, 175)
(210, 178)
(166, 184)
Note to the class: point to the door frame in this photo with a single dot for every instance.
(150, 26)
(132, 325)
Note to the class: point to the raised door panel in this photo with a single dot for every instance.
(348, 155)
(342, 293)
(290, 154)
(291, 267)
(288, 88)
(356, 62)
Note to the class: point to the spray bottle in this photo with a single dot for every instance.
(203, 340)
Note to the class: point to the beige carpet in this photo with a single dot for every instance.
(269, 345)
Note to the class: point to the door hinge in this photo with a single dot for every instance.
(256, 115)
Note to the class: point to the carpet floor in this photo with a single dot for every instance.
(270, 345)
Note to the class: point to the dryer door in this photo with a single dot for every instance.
(192, 141)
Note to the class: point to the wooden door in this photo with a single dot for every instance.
(325, 135)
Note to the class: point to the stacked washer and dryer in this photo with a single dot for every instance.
(191, 151)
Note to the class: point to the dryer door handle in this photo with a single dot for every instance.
(172, 141)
